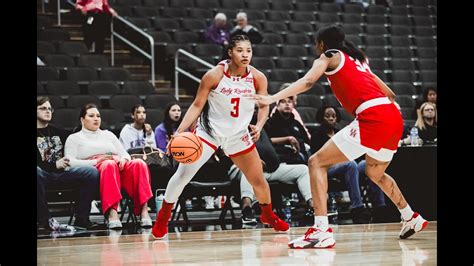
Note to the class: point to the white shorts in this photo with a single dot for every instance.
(348, 141)
(236, 145)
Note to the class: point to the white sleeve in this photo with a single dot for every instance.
(70, 151)
(122, 153)
(123, 138)
(150, 139)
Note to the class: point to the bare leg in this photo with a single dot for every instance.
(144, 213)
(375, 170)
(318, 164)
(251, 166)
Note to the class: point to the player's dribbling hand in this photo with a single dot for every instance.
(254, 132)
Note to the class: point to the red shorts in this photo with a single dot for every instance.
(375, 131)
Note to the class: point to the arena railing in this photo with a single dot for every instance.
(113, 33)
(178, 70)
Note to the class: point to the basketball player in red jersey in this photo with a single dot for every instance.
(375, 131)
(224, 122)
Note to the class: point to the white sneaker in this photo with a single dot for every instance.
(233, 203)
(209, 202)
(415, 224)
(94, 207)
(314, 238)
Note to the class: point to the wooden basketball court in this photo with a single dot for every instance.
(360, 244)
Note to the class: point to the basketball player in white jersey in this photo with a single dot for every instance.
(224, 121)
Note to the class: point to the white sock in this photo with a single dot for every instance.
(406, 212)
(321, 222)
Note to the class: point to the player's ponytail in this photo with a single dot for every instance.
(205, 119)
(333, 37)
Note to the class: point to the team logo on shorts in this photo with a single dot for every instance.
(246, 139)
(353, 132)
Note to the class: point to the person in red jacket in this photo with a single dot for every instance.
(96, 23)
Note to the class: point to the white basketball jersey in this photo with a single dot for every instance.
(229, 112)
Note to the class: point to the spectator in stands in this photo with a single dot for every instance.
(55, 169)
(430, 94)
(293, 111)
(218, 33)
(273, 170)
(427, 123)
(100, 148)
(96, 23)
(243, 28)
(138, 133)
(288, 135)
(328, 117)
(171, 121)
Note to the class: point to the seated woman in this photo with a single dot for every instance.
(138, 133)
(427, 123)
(101, 148)
(171, 121)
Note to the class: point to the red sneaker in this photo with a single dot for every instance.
(275, 222)
(160, 229)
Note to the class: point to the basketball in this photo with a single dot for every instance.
(186, 147)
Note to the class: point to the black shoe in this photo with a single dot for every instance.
(361, 215)
(85, 223)
(247, 216)
(256, 208)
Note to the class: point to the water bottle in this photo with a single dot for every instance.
(160, 196)
(287, 210)
(332, 210)
(414, 139)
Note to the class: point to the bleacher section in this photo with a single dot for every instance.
(400, 41)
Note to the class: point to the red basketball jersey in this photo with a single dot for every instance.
(352, 82)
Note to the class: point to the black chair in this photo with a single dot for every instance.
(355, 8)
(263, 63)
(294, 51)
(429, 76)
(68, 118)
(45, 73)
(274, 86)
(56, 101)
(427, 53)
(159, 100)
(401, 52)
(277, 15)
(74, 49)
(145, 12)
(140, 88)
(399, 10)
(403, 41)
(78, 101)
(274, 26)
(402, 64)
(118, 74)
(285, 75)
(40, 89)
(166, 24)
(124, 102)
(54, 35)
(82, 74)
(330, 7)
(103, 89)
(328, 18)
(378, 63)
(420, 11)
(304, 27)
(201, 13)
(154, 116)
(317, 89)
(424, 31)
(93, 60)
(425, 42)
(399, 30)
(427, 64)
(258, 5)
(142, 23)
(330, 99)
(272, 38)
(291, 63)
(59, 61)
(376, 52)
(266, 50)
(373, 29)
(375, 40)
(376, 19)
(44, 48)
(352, 29)
(232, 4)
(186, 37)
(405, 101)
(403, 76)
(345, 115)
(194, 24)
(424, 21)
(376, 9)
(355, 39)
(57, 194)
(210, 4)
(62, 87)
(282, 5)
(352, 18)
(308, 114)
(403, 88)
(403, 20)
(113, 119)
(174, 12)
(309, 100)
(297, 39)
(303, 15)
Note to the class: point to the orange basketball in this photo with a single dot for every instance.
(186, 147)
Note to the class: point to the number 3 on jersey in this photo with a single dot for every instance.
(235, 111)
